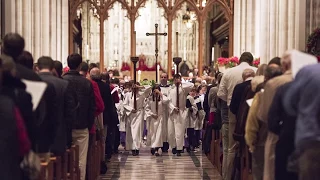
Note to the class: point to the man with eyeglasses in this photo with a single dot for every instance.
(165, 87)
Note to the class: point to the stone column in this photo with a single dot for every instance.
(275, 27)
(44, 26)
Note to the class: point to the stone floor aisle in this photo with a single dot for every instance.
(189, 166)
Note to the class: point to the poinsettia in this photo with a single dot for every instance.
(125, 66)
(223, 61)
(256, 62)
(232, 62)
(66, 69)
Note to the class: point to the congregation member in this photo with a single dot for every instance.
(301, 102)
(83, 112)
(270, 89)
(109, 118)
(97, 126)
(42, 126)
(229, 80)
(256, 130)
(63, 138)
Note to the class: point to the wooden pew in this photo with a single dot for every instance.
(91, 160)
(57, 167)
(64, 167)
(73, 163)
(217, 150)
(212, 149)
(46, 172)
(77, 169)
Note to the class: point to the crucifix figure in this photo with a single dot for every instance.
(156, 34)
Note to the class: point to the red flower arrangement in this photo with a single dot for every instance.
(222, 61)
(256, 62)
(228, 62)
(66, 69)
(125, 66)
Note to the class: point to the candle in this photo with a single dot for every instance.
(87, 51)
(175, 69)
(177, 45)
(212, 57)
(158, 70)
(139, 75)
(134, 42)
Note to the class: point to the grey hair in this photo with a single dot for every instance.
(95, 74)
(248, 73)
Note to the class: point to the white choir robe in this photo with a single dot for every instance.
(155, 128)
(165, 92)
(177, 121)
(134, 121)
(191, 116)
(201, 113)
(120, 110)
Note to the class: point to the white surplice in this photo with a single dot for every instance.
(155, 128)
(191, 116)
(165, 92)
(177, 120)
(200, 114)
(120, 110)
(134, 121)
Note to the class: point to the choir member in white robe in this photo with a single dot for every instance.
(122, 118)
(135, 117)
(177, 114)
(155, 118)
(165, 87)
(191, 120)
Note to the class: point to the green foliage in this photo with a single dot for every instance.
(146, 83)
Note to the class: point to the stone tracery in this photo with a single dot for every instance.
(170, 8)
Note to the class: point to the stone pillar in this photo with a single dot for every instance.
(269, 28)
(43, 24)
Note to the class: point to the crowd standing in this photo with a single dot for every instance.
(268, 110)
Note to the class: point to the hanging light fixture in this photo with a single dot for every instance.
(93, 9)
(189, 17)
(79, 11)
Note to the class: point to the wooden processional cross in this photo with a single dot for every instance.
(156, 34)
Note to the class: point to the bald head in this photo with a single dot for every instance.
(286, 61)
(95, 74)
(164, 78)
(248, 73)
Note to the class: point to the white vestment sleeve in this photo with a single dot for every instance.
(187, 86)
(127, 108)
(148, 110)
